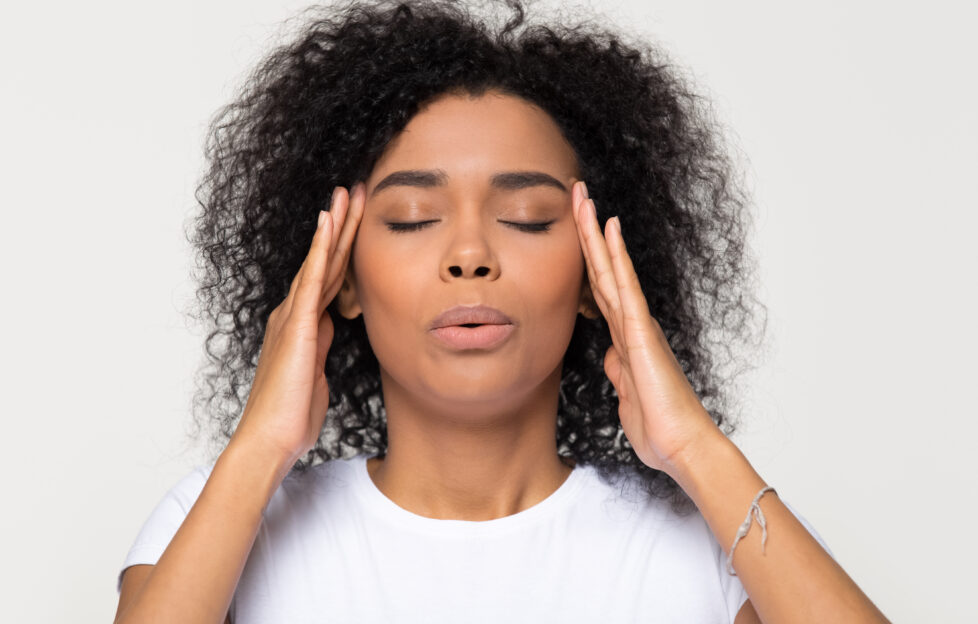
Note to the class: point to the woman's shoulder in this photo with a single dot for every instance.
(326, 476)
(330, 474)
(320, 483)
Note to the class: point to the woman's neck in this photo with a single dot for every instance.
(482, 465)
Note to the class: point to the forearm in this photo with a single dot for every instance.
(793, 579)
(195, 578)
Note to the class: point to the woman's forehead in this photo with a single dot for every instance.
(478, 140)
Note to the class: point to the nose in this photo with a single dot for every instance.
(469, 253)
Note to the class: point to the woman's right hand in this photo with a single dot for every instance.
(288, 399)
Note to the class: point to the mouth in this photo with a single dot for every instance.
(470, 316)
(473, 335)
(465, 327)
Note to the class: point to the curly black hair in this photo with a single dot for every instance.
(320, 108)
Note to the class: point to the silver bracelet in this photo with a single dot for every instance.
(753, 510)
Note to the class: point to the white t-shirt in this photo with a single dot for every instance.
(333, 547)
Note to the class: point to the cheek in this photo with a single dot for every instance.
(392, 279)
(386, 283)
(550, 284)
(553, 274)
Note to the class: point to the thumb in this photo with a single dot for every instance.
(612, 368)
(325, 339)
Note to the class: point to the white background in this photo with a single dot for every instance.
(859, 121)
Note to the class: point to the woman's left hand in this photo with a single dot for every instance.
(658, 408)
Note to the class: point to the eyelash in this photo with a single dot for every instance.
(523, 227)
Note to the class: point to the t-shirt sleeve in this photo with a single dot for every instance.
(164, 521)
(733, 590)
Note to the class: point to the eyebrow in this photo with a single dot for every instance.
(506, 180)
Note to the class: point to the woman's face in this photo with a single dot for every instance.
(472, 170)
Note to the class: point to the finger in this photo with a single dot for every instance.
(612, 368)
(577, 197)
(320, 399)
(340, 258)
(629, 288)
(603, 282)
(325, 340)
(634, 305)
(588, 265)
(306, 299)
(337, 212)
(596, 251)
(617, 371)
(290, 296)
(337, 209)
(614, 324)
(597, 248)
(649, 349)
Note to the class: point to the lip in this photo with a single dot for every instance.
(494, 327)
(481, 337)
(461, 315)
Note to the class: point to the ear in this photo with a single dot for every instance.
(347, 301)
(588, 308)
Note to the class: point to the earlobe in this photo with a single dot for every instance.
(347, 302)
(588, 308)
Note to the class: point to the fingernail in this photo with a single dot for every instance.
(322, 218)
(584, 189)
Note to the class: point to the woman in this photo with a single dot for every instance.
(511, 394)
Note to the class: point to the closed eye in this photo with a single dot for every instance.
(407, 227)
(542, 226)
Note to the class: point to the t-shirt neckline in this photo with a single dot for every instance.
(550, 506)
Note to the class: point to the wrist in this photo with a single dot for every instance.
(702, 460)
(716, 475)
(264, 457)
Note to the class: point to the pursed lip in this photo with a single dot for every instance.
(461, 315)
